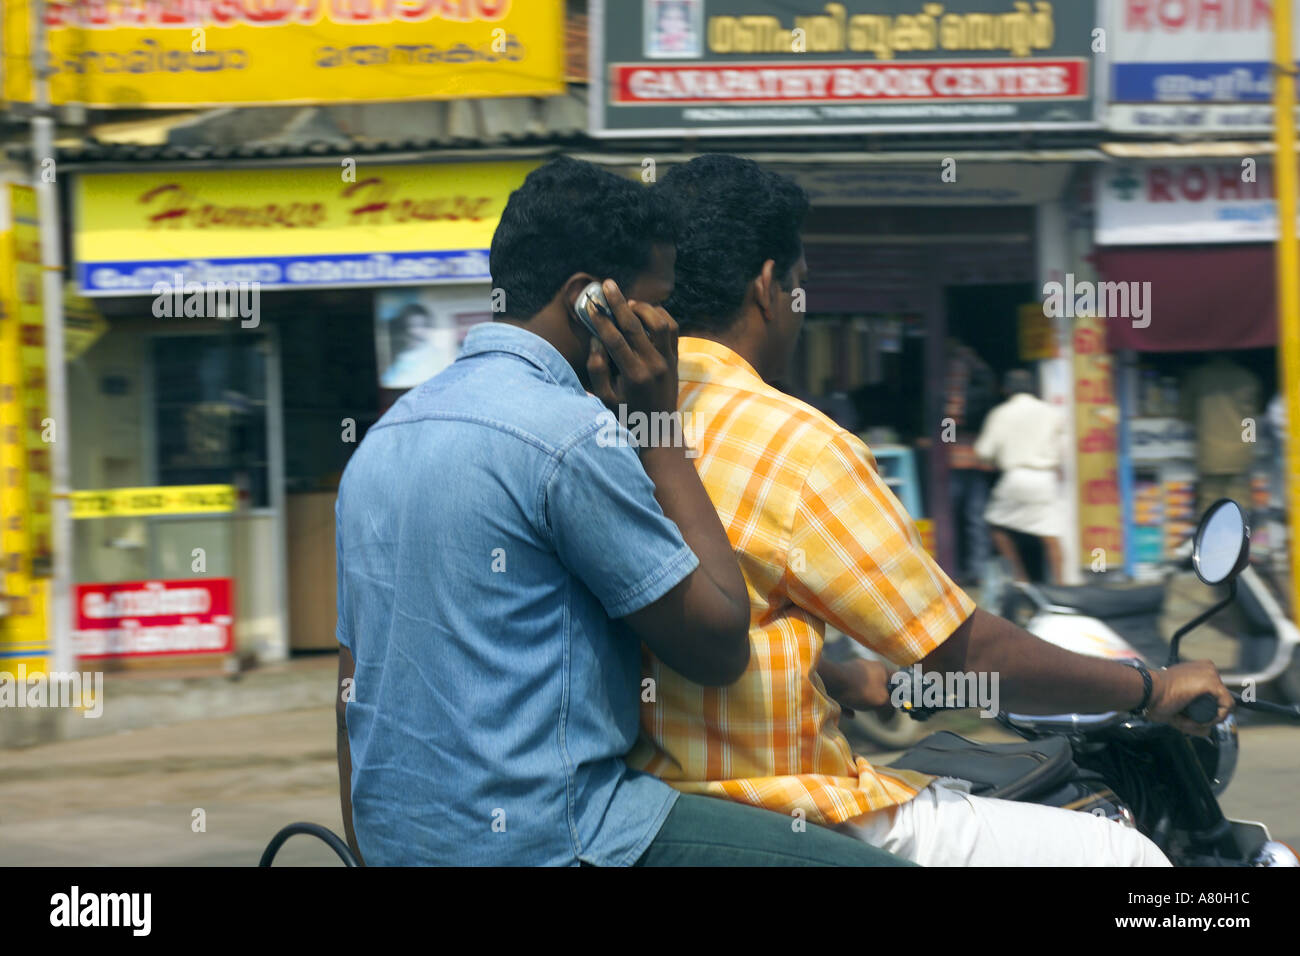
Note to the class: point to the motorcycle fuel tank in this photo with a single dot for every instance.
(1083, 635)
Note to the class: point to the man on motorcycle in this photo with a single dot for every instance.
(821, 539)
(499, 564)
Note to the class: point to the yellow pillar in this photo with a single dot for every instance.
(23, 638)
(1288, 262)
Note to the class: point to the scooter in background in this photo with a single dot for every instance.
(1141, 774)
(1105, 621)
(1124, 622)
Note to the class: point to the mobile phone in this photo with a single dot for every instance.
(592, 298)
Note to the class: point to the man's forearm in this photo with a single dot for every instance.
(683, 499)
(1035, 677)
(345, 788)
(344, 690)
(832, 675)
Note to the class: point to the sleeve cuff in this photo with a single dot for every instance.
(947, 612)
(654, 585)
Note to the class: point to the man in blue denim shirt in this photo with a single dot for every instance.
(500, 558)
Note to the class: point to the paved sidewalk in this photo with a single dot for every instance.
(129, 799)
(141, 699)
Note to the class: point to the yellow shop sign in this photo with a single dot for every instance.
(163, 500)
(178, 53)
(368, 225)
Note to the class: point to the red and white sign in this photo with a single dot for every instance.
(153, 618)
(849, 82)
(1185, 202)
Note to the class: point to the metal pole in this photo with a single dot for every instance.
(56, 386)
(1288, 261)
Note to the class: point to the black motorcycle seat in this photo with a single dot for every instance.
(1103, 602)
(1012, 771)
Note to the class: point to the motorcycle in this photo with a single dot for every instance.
(1122, 623)
(1138, 773)
(1135, 772)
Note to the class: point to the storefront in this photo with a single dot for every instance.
(904, 254)
(1193, 241)
(255, 323)
(904, 269)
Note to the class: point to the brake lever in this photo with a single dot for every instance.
(1204, 707)
(1268, 707)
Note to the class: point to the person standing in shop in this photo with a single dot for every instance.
(1218, 398)
(970, 389)
(1024, 437)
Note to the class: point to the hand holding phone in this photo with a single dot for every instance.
(590, 300)
(638, 365)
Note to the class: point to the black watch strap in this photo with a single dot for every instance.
(1140, 666)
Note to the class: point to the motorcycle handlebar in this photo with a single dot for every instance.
(1203, 709)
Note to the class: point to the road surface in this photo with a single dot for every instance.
(131, 798)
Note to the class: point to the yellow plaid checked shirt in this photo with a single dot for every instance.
(820, 538)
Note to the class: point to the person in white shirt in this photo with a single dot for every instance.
(1024, 437)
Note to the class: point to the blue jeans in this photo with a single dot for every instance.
(969, 493)
(707, 831)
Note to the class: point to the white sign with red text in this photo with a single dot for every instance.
(1185, 202)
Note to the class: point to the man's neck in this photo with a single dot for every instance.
(546, 328)
(736, 343)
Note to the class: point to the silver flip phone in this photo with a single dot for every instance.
(592, 298)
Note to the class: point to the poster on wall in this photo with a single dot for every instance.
(418, 332)
(1036, 334)
(773, 67)
(1096, 415)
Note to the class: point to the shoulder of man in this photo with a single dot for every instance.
(795, 429)
(528, 408)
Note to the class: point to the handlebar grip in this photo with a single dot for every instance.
(1203, 709)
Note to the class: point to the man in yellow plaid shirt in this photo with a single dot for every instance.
(821, 539)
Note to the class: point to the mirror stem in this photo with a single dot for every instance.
(1199, 620)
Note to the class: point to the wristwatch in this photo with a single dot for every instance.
(1140, 666)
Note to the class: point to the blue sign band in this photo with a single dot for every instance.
(128, 277)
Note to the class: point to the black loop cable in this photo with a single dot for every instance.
(330, 838)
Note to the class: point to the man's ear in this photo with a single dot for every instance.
(572, 288)
(765, 290)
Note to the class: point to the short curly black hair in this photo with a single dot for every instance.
(571, 216)
(732, 216)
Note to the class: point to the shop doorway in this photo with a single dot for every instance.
(985, 318)
(177, 413)
(881, 275)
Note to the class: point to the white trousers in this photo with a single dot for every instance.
(946, 826)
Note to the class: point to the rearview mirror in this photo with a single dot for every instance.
(1221, 548)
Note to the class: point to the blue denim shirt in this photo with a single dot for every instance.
(486, 538)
